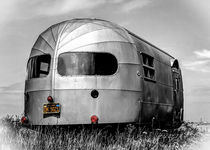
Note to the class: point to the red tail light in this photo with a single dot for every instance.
(50, 99)
(24, 120)
(94, 119)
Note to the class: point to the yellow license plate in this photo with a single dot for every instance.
(51, 108)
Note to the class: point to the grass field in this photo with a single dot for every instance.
(15, 137)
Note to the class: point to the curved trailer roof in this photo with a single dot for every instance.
(51, 39)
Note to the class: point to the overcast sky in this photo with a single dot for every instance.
(180, 27)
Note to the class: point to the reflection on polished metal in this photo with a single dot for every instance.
(135, 80)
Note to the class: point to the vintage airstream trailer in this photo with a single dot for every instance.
(85, 71)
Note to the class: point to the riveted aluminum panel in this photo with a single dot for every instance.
(38, 84)
(72, 26)
(157, 95)
(165, 94)
(34, 109)
(143, 47)
(73, 29)
(149, 110)
(163, 73)
(150, 95)
(152, 51)
(49, 38)
(46, 42)
(77, 106)
(41, 47)
(125, 79)
(71, 34)
(99, 36)
(160, 112)
(162, 57)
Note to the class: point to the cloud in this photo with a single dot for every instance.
(134, 4)
(115, 1)
(203, 54)
(200, 63)
(65, 6)
(24, 9)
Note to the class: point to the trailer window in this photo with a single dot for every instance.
(38, 66)
(86, 63)
(148, 65)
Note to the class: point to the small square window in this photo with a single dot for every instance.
(38, 66)
(148, 65)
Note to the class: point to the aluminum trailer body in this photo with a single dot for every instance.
(93, 67)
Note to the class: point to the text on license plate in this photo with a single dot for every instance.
(53, 108)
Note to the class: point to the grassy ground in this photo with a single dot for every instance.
(14, 136)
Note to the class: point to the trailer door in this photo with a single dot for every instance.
(177, 94)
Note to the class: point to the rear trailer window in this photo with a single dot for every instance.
(86, 63)
(38, 66)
